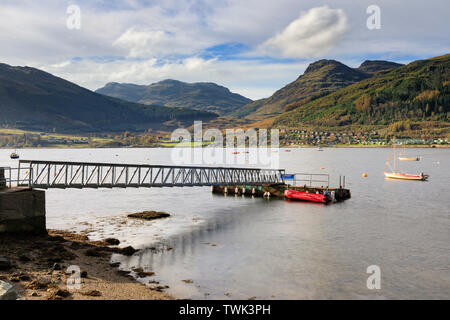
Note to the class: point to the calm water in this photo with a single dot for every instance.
(236, 247)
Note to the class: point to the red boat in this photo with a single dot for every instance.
(306, 196)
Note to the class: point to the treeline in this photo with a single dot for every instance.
(419, 91)
(93, 141)
(412, 98)
(24, 140)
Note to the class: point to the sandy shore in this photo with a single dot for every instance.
(39, 269)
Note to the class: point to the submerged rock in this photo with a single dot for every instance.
(149, 215)
(7, 291)
(128, 251)
(112, 241)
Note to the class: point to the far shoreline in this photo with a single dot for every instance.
(421, 146)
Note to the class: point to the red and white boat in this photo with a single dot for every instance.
(306, 196)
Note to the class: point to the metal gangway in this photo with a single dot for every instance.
(61, 174)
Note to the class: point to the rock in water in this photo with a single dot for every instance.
(128, 251)
(149, 215)
(7, 291)
(112, 241)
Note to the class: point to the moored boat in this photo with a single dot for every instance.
(306, 196)
(14, 155)
(408, 159)
(405, 176)
(394, 174)
(403, 157)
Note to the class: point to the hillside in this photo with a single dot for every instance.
(319, 79)
(32, 99)
(373, 66)
(419, 91)
(204, 96)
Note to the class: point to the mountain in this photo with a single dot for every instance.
(415, 92)
(320, 78)
(204, 96)
(34, 99)
(373, 66)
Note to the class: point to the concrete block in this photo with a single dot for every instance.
(22, 211)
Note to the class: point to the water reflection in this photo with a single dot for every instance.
(235, 247)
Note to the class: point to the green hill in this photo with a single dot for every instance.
(32, 99)
(204, 96)
(373, 66)
(320, 78)
(418, 91)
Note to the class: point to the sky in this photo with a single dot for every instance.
(253, 47)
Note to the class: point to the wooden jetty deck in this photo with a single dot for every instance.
(277, 190)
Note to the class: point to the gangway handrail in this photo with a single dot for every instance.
(72, 174)
(311, 180)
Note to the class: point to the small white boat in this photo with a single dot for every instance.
(405, 176)
(403, 156)
(14, 155)
(408, 159)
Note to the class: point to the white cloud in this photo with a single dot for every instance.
(314, 33)
(143, 42)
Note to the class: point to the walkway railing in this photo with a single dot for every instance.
(59, 174)
(311, 178)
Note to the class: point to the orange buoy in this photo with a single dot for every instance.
(364, 175)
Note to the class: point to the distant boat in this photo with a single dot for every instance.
(14, 156)
(307, 196)
(403, 156)
(408, 159)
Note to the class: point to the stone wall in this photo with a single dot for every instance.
(22, 211)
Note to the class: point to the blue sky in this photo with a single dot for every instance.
(254, 47)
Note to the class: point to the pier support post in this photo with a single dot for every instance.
(22, 211)
(2, 179)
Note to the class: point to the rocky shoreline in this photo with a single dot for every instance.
(41, 267)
